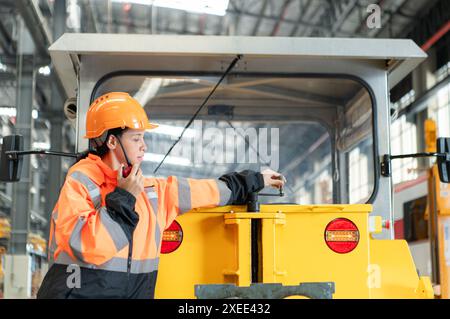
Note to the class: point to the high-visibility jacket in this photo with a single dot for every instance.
(113, 237)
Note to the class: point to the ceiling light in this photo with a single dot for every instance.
(44, 70)
(215, 7)
(8, 111)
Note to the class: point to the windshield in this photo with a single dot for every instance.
(316, 131)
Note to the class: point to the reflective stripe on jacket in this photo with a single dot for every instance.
(107, 231)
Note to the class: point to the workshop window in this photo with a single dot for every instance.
(439, 104)
(403, 141)
(359, 180)
(302, 126)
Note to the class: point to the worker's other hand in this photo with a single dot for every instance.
(273, 179)
(134, 183)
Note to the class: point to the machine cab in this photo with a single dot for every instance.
(316, 110)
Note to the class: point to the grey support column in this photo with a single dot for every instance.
(24, 122)
(18, 263)
(55, 177)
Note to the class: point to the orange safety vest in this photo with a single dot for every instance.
(83, 233)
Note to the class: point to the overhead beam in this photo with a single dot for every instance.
(348, 9)
(89, 18)
(283, 12)
(287, 21)
(427, 13)
(261, 13)
(301, 15)
(312, 27)
(6, 41)
(37, 26)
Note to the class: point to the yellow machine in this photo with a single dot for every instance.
(438, 216)
(38, 243)
(439, 220)
(5, 233)
(2, 253)
(37, 247)
(293, 249)
(5, 228)
(327, 99)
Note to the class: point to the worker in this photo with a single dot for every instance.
(108, 221)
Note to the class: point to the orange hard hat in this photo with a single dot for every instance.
(113, 110)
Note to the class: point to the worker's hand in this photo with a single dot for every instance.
(273, 179)
(134, 183)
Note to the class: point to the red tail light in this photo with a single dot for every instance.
(172, 238)
(341, 235)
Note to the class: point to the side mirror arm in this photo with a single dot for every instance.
(386, 169)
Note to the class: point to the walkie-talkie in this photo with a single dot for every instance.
(126, 170)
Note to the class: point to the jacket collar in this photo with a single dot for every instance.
(108, 171)
(98, 171)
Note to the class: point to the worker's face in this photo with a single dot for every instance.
(134, 145)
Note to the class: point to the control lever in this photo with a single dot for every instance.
(281, 194)
(253, 204)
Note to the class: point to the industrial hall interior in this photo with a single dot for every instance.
(245, 149)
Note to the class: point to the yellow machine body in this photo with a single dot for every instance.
(217, 249)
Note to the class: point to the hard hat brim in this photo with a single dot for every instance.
(149, 126)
